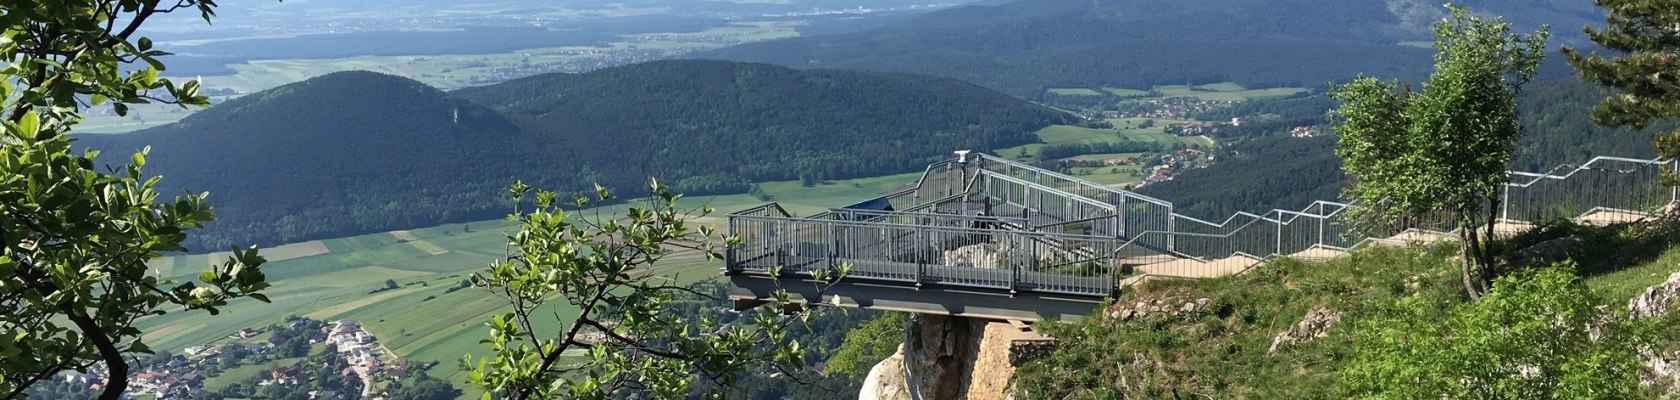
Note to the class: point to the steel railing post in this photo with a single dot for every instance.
(729, 256)
(1505, 203)
(781, 251)
(833, 246)
(1120, 220)
(1279, 238)
(1015, 265)
(921, 255)
(1172, 230)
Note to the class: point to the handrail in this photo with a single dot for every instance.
(1018, 187)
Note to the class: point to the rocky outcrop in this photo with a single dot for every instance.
(1657, 300)
(1315, 325)
(953, 358)
(983, 255)
(1662, 368)
(1159, 308)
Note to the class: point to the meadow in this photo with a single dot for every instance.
(422, 320)
(1223, 91)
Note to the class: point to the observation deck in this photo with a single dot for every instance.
(986, 237)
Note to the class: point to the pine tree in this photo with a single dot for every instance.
(1646, 72)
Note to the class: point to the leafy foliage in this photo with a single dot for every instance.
(1537, 335)
(600, 267)
(1444, 148)
(1642, 33)
(74, 241)
(867, 345)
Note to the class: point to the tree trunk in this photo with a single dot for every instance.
(1466, 267)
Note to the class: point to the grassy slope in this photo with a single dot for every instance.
(336, 285)
(1221, 351)
(1121, 175)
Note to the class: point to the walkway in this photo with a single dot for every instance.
(981, 235)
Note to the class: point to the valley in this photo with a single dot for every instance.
(1135, 227)
(429, 318)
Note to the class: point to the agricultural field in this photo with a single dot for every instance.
(422, 319)
(1113, 176)
(1223, 91)
(1062, 134)
(1121, 92)
(1074, 92)
(449, 71)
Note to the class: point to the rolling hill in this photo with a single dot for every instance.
(1025, 46)
(359, 152)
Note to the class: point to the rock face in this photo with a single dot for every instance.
(1315, 325)
(946, 357)
(1661, 368)
(1158, 307)
(1657, 300)
(983, 255)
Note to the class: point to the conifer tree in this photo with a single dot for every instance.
(1644, 36)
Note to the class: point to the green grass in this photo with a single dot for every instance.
(1115, 175)
(1074, 92)
(1222, 350)
(1224, 91)
(1104, 156)
(336, 285)
(1122, 92)
(242, 372)
(1060, 134)
(1221, 87)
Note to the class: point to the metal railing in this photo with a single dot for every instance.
(923, 254)
(998, 224)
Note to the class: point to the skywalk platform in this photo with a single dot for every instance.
(985, 237)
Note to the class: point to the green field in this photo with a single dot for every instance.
(1074, 92)
(1059, 134)
(1115, 175)
(1121, 92)
(1224, 91)
(420, 321)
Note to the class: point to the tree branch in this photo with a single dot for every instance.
(116, 377)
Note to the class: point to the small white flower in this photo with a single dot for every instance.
(203, 293)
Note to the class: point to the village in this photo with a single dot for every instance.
(333, 360)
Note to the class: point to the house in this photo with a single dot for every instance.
(248, 333)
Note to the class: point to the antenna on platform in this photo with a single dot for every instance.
(962, 155)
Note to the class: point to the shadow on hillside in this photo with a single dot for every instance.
(1599, 249)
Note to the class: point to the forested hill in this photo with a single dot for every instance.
(1025, 46)
(1266, 168)
(358, 152)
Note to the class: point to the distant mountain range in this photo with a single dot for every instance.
(1023, 47)
(358, 152)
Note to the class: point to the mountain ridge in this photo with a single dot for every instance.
(359, 152)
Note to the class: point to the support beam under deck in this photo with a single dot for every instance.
(750, 291)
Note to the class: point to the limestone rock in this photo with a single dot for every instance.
(1657, 300)
(1315, 325)
(954, 358)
